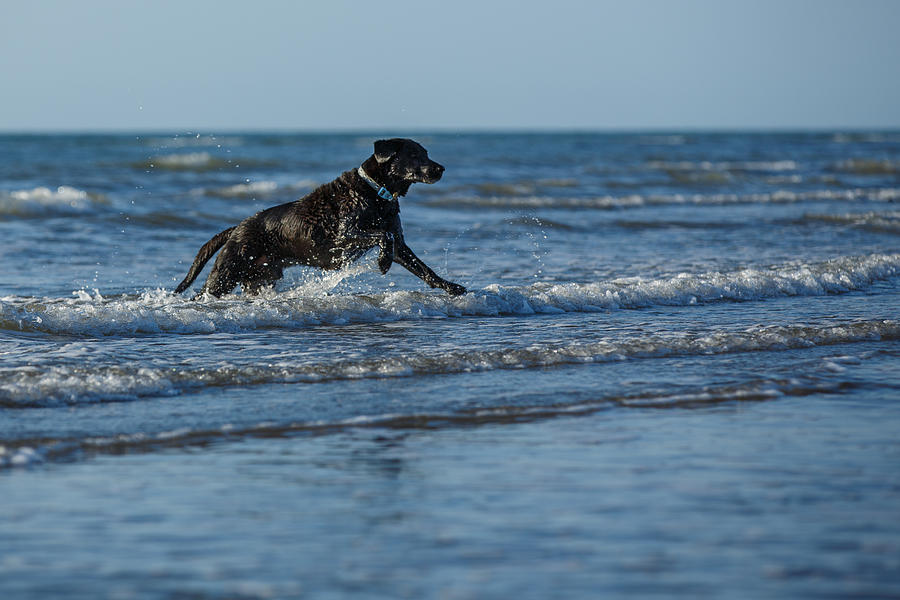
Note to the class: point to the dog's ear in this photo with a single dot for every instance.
(386, 149)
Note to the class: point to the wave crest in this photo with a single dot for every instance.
(638, 200)
(196, 161)
(30, 451)
(160, 311)
(29, 387)
(254, 189)
(41, 201)
(868, 166)
(888, 221)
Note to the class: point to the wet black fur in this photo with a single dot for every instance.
(328, 228)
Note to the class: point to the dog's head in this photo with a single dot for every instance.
(403, 161)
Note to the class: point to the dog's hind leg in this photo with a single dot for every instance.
(261, 275)
(205, 253)
(230, 268)
(219, 283)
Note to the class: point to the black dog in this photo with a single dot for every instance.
(328, 228)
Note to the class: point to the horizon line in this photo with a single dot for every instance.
(443, 130)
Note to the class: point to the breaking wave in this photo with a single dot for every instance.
(869, 166)
(510, 200)
(112, 385)
(875, 221)
(192, 161)
(43, 201)
(31, 387)
(254, 189)
(194, 140)
(160, 311)
(195, 161)
(750, 166)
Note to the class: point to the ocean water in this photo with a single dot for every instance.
(676, 373)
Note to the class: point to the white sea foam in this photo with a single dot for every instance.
(197, 161)
(638, 200)
(45, 201)
(191, 160)
(869, 166)
(30, 387)
(251, 189)
(195, 140)
(774, 165)
(878, 221)
(25, 452)
(22, 456)
(162, 312)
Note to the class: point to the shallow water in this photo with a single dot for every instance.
(675, 374)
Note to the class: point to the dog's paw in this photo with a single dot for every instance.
(454, 289)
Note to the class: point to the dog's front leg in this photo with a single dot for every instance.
(407, 259)
(363, 240)
(387, 254)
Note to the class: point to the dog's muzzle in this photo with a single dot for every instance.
(433, 172)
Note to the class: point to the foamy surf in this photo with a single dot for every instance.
(511, 200)
(159, 311)
(705, 165)
(195, 161)
(25, 452)
(253, 189)
(888, 221)
(29, 387)
(44, 201)
(868, 166)
(195, 140)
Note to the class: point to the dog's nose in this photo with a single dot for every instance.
(439, 168)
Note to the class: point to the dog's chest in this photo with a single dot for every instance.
(380, 215)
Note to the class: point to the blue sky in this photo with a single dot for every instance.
(214, 66)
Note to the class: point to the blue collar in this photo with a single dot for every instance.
(382, 191)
